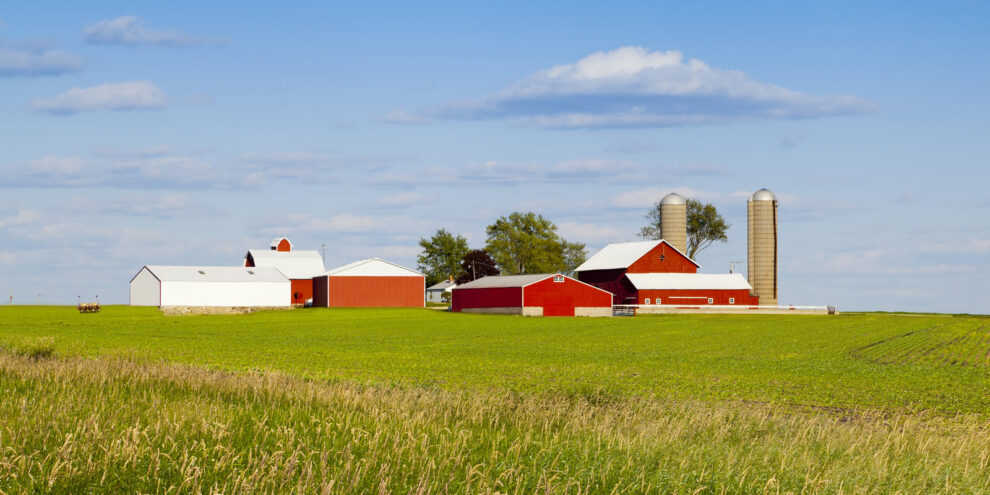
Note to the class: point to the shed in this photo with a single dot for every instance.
(298, 266)
(548, 294)
(692, 289)
(209, 286)
(368, 283)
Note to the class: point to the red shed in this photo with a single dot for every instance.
(692, 289)
(531, 295)
(370, 283)
(606, 269)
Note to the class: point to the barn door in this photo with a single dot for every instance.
(558, 305)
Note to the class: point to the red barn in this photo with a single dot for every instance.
(531, 295)
(369, 283)
(642, 272)
(298, 266)
(607, 268)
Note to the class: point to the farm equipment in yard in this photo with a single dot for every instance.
(89, 307)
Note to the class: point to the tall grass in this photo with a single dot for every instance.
(76, 425)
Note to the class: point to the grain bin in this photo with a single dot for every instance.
(673, 221)
(762, 230)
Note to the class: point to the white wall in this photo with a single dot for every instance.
(183, 293)
(145, 289)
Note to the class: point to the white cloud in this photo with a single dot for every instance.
(588, 232)
(130, 95)
(26, 58)
(634, 87)
(967, 246)
(645, 198)
(402, 199)
(23, 217)
(131, 30)
(57, 165)
(403, 117)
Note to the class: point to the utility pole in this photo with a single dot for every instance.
(732, 265)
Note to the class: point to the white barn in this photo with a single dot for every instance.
(209, 286)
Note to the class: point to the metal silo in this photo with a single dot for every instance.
(673, 221)
(762, 266)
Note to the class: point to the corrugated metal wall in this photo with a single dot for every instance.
(373, 292)
(560, 298)
(492, 297)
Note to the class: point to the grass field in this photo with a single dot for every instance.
(426, 401)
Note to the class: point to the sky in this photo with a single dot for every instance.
(185, 133)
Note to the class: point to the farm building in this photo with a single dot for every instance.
(435, 293)
(369, 283)
(531, 295)
(209, 286)
(692, 289)
(639, 271)
(299, 266)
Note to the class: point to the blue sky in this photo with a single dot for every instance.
(186, 133)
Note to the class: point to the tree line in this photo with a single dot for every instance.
(526, 242)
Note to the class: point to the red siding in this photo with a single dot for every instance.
(284, 245)
(493, 297)
(302, 289)
(560, 298)
(697, 297)
(369, 292)
(673, 262)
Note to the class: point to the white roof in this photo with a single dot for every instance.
(372, 267)
(494, 281)
(446, 285)
(688, 281)
(621, 255)
(216, 274)
(293, 264)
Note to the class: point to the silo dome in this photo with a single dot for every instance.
(673, 199)
(763, 195)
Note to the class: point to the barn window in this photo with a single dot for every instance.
(732, 300)
(711, 301)
(647, 300)
(661, 257)
(656, 301)
(558, 278)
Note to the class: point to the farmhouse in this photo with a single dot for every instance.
(209, 286)
(369, 283)
(531, 295)
(655, 272)
(299, 266)
(435, 292)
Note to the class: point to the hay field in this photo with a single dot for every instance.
(398, 401)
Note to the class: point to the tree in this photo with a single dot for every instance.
(476, 264)
(528, 243)
(441, 256)
(704, 226)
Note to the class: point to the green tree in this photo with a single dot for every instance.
(441, 256)
(528, 243)
(705, 225)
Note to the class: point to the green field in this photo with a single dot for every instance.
(427, 401)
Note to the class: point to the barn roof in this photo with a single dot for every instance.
(293, 264)
(496, 281)
(688, 281)
(622, 255)
(216, 274)
(372, 267)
